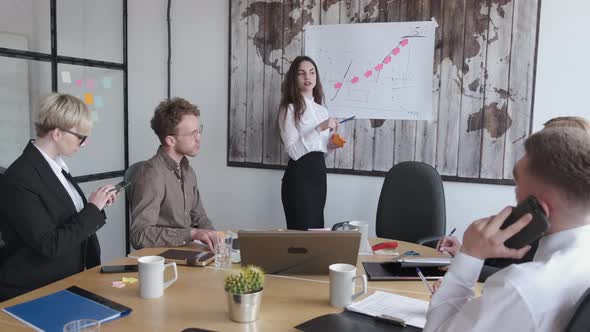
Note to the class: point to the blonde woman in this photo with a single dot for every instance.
(47, 223)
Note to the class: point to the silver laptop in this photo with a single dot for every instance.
(298, 252)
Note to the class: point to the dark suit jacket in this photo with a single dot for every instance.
(46, 239)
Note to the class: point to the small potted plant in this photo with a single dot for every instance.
(244, 293)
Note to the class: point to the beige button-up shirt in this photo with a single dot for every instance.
(165, 203)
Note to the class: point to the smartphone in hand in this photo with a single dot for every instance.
(531, 232)
(120, 186)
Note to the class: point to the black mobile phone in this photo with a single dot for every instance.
(118, 268)
(201, 259)
(120, 186)
(534, 230)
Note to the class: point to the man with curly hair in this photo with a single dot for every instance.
(166, 206)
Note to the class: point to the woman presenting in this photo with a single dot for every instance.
(306, 131)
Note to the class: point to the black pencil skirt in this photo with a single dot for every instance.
(303, 191)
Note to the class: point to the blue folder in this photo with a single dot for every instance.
(52, 312)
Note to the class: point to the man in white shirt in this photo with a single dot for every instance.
(540, 295)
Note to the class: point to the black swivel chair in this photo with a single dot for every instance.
(412, 204)
(130, 174)
(2, 169)
(130, 177)
(580, 322)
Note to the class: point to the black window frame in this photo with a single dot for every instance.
(56, 59)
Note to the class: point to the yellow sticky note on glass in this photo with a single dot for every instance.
(89, 99)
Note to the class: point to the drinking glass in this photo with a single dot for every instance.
(82, 325)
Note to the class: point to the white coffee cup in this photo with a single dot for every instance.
(342, 282)
(151, 276)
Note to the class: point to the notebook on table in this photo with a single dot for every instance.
(378, 312)
(53, 311)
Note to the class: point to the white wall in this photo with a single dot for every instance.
(250, 198)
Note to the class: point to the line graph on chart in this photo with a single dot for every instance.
(381, 70)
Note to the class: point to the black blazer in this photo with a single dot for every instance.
(46, 239)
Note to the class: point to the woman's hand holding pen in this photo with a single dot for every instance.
(329, 123)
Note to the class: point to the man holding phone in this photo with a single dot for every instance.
(451, 245)
(166, 206)
(534, 295)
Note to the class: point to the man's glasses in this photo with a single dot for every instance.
(81, 137)
(193, 133)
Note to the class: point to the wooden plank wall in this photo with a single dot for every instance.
(482, 88)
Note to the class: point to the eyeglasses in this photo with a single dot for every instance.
(193, 133)
(81, 137)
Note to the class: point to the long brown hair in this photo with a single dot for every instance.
(292, 95)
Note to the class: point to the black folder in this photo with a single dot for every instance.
(353, 322)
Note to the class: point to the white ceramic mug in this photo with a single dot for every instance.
(151, 276)
(342, 282)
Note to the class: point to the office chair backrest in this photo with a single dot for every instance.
(412, 203)
(2, 193)
(580, 322)
(130, 175)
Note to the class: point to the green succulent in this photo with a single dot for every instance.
(248, 279)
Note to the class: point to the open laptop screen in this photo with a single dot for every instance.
(298, 252)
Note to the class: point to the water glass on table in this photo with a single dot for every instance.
(82, 325)
(222, 251)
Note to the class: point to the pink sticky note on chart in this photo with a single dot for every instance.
(404, 42)
(368, 73)
(90, 83)
(379, 67)
(395, 51)
(79, 83)
(387, 60)
(354, 79)
(337, 85)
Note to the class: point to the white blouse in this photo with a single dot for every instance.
(301, 140)
(56, 166)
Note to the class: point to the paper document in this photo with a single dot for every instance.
(410, 310)
(419, 262)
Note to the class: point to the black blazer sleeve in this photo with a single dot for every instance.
(37, 222)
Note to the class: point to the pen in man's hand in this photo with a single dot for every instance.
(453, 231)
(348, 119)
(424, 280)
(450, 234)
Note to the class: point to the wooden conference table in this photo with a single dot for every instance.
(198, 299)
